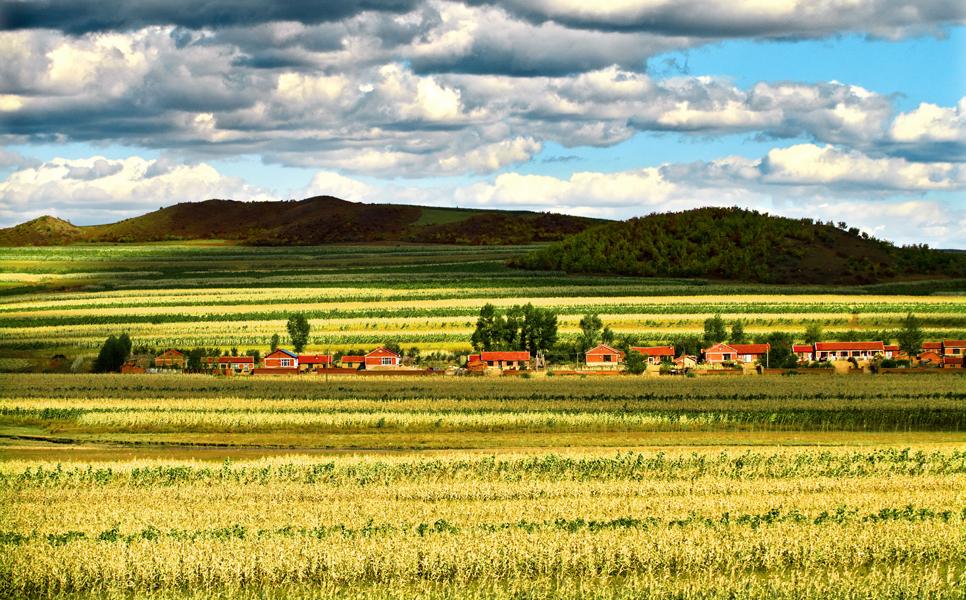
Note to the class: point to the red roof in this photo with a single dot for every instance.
(932, 345)
(353, 359)
(604, 350)
(802, 348)
(751, 348)
(236, 359)
(654, 350)
(473, 358)
(954, 343)
(836, 346)
(315, 359)
(382, 351)
(488, 356)
(892, 347)
(172, 352)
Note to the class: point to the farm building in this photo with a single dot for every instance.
(382, 358)
(953, 352)
(846, 350)
(655, 354)
(505, 359)
(281, 359)
(314, 362)
(742, 353)
(171, 359)
(685, 361)
(804, 352)
(892, 351)
(936, 347)
(604, 357)
(351, 361)
(130, 367)
(230, 365)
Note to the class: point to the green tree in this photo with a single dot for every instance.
(714, 330)
(298, 331)
(635, 362)
(814, 333)
(125, 344)
(486, 333)
(607, 336)
(781, 353)
(737, 332)
(910, 336)
(538, 329)
(112, 354)
(590, 327)
(274, 342)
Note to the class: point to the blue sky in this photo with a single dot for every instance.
(856, 114)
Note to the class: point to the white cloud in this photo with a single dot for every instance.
(931, 123)
(109, 189)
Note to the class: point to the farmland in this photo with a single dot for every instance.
(192, 486)
(417, 296)
(187, 486)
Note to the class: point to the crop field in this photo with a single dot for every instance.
(191, 486)
(744, 487)
(68, 300)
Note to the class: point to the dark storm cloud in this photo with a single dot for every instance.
(80, 16)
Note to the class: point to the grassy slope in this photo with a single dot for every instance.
(318, 220)
(735, 244)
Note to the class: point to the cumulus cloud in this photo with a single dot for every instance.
(97, 189)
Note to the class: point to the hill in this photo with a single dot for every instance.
(740, 245)
(318, 220)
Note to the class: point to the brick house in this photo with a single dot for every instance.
(846, 350)
(505, 359)
(740, 353)
(804, 352)
(171, 359)
(281, 359)
(314, 362)
(382, 358)
(603, 356)
(351, 361)
(953, 352)
(655, 354)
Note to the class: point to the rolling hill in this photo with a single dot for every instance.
(318, 220)
(741, 245)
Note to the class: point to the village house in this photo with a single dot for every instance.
(953, 352)
(171, 359)
(281, 359)
(503, 360)
(131, 367)
(603, 356)
(804, 352)
(229, 365)
(828, 351)
(314, 362)
(382, 358)
(738, 353)
(655, 354)
(685, 362)
(351, 361)
(892, 351)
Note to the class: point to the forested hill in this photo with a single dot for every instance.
(741, 245)
(317, 220)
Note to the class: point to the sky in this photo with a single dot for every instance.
(844, 110)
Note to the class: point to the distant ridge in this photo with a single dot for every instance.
(741, 245)
(317, 220)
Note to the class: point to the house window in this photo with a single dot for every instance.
(726, 356)
(607, 358)
(954, 350)
(386, 360)
(286, 362)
